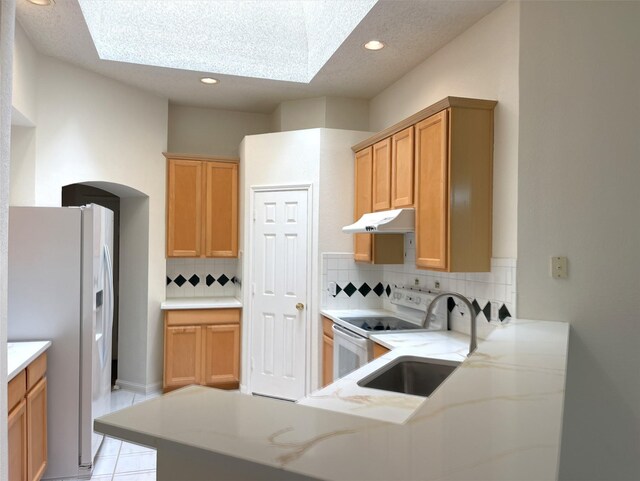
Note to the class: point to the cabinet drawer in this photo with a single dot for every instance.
(326, 327)
(195, 317)
(17, 389)
(36, 370)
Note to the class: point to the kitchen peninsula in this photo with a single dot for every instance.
(498, 416)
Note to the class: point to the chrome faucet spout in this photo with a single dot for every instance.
(473, 344)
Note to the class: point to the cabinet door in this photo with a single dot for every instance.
(182, 356)
(379, 350)
(432, 204)
(222, 355)
(221, 210)
(37, 430)
(17, 440)
(184, 208)
(382, 175)
(402, 180)
(362, 204)
(327, 360)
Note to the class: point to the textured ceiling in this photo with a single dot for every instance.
(411, 29)
(269, 39)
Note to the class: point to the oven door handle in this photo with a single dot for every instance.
(355, 338)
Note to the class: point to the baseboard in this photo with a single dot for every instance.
(153, 388)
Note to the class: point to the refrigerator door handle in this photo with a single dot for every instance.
(109, 314)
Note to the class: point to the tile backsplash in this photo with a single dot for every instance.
(493, 294)
(202, 278)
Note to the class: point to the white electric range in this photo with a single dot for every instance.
(352, 347)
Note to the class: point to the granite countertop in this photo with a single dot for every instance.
(498, 417)
(200, 303)
(21, 354)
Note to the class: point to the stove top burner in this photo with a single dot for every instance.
(371, 323)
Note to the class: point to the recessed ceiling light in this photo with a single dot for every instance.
(41, 3)
(209, 80)
(374, 45)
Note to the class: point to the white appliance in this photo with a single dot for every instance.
(61, 289)
(396, 221)
(352, 347)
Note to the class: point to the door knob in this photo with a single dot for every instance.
(299, 306)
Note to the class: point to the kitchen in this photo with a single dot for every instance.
(500, 57)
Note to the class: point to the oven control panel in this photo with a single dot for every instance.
(413, 298)
(414, 302)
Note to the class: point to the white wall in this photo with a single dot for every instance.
(203, 131)
(133, 350)
(23, 135)
(23, 165)
(481, 63)
(299, 114)
(7, 24)
(24, 77)
(275, 159)
(321, 112)
(346, 113)
(337, 188)
(578, 196)
(322, 158)
(91, 128)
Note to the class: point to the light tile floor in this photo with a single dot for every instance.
(121, 461)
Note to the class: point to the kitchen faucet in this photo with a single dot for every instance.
(427, 318)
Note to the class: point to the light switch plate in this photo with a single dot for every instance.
(332, 288)
(559, 268)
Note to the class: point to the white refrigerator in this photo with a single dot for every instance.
(61, 289)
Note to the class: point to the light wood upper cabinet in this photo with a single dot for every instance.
(184, 208)
(202, 207)
(382, 175)
(202, 346)
(402, 169)
(441, 164)
(363, 201)
(379, 249)
(454, 159)
(221, 211)
(433, 192)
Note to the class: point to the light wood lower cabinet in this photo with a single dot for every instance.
(37, 430)
(221, 354)
(379, 350)
(327, 351)
(27, 422)
(18, 442)
(202, 346)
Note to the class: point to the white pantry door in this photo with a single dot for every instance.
(279, 303)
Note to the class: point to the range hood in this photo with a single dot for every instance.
(397, 221)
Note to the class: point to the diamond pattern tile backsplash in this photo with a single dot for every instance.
(359, 286)
(202, 278)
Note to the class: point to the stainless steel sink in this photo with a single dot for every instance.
(410, 375)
